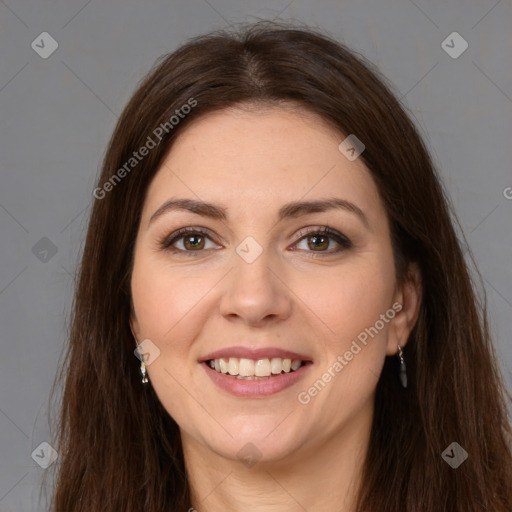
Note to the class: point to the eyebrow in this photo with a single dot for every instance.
(290, 210)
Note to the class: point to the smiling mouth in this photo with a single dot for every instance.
(255, 369)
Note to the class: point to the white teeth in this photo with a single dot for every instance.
(224, 365)
(276, 365)
(296, 363)
(246, 368)
(262, 368)
(250, 369)
(233, 366)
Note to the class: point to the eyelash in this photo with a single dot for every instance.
(345, 243)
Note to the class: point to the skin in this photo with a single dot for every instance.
(253, 162)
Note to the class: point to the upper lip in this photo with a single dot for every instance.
(254, 353)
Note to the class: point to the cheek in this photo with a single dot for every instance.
(348, 300)
(350, 304)
(172, 307)
(164, 306)
(162, 299)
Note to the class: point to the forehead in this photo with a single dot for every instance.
(251, 159)
(250, 134)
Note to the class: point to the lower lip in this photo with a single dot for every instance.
(255, 388)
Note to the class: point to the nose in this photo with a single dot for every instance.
(256, 293)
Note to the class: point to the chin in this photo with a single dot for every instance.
(256, 441)
(250, 452)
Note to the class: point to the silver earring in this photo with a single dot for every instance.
(403, 368)
(142, 363)
(143, 371)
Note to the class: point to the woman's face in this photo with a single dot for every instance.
(255, 285)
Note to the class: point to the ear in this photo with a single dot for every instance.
(408, 295)
(134, 323)
(134, 326)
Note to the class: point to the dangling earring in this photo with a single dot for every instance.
(142, 363)
(403, 369)
(143, 371)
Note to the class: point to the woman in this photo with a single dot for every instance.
(271, 240)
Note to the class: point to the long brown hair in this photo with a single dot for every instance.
(119, 449)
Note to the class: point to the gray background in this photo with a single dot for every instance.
(58, 113)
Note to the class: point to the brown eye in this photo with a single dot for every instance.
(193, 241)
(188, 240)
(320, 240)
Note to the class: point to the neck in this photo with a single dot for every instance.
(315, 478)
